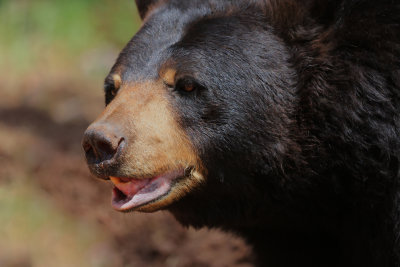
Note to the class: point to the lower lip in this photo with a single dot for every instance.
(154, 190)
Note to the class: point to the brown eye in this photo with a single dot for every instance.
(186, 85)
(111, 86)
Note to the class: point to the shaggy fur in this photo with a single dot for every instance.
(295, 116)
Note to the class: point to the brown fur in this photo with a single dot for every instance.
(117, 83)
(156, 143)
(168, 76)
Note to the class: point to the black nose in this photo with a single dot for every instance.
(100, 144)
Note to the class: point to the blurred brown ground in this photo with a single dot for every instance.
(52, 211)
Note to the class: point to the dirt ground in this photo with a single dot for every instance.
(40, 131)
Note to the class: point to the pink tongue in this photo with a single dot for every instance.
(129, 187)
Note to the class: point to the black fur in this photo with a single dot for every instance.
(143, 6)
(295, 114)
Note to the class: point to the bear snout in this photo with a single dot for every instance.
(102, 144)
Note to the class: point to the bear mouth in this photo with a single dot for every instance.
(131, 193)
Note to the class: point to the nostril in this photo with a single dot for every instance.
(106, 149)
(91, 155)
(100, 145)
(86, 146)
(90, 152)
(121, 144)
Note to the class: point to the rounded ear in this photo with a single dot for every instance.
(143, 6)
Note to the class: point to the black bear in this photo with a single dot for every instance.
(277, 120)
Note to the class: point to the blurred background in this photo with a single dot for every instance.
(54, 55)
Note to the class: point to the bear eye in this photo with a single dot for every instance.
(111, 87)
(114, 91)
(110, 92)
(186, 84)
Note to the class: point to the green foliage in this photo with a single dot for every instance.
(30, 30)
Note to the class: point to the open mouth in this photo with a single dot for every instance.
(130, 193)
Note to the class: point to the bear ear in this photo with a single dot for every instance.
(144, 5)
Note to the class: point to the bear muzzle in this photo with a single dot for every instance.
(103, 146)
(138, 144)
